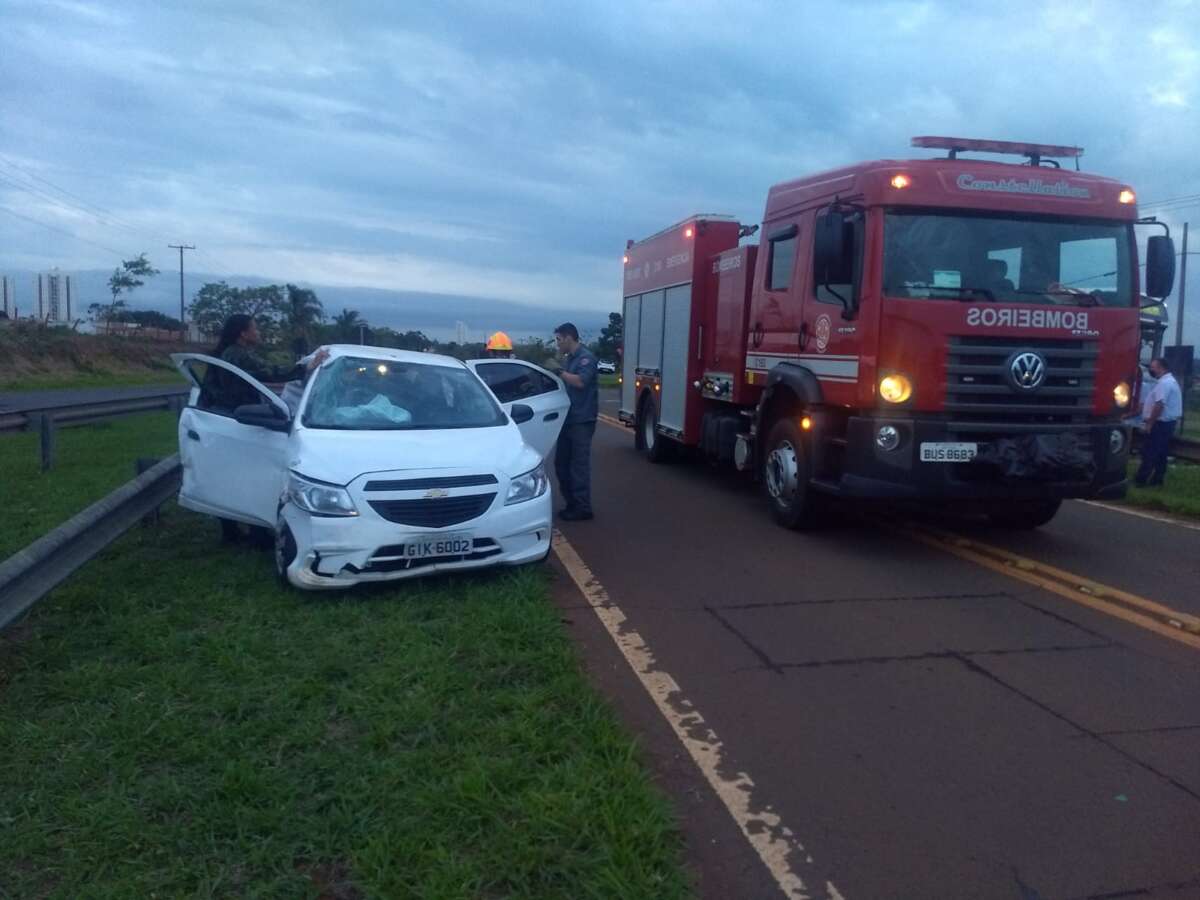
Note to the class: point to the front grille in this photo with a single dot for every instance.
(978, 389)
(425, 484)
(433, 513)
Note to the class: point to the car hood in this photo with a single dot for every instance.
(339, 457)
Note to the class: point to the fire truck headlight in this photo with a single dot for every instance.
(1121, 395)
(895, 388)
(887, 437)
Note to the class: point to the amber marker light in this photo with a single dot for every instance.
(1126, 196)
(625, 259)
(688, 232)
(899, 182)
(805, 423)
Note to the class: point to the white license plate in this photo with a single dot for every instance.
(428, 545)
(947, 452)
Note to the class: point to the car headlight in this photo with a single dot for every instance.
(319, 499)
(528, 486)
(1121, 395)
(895, 388)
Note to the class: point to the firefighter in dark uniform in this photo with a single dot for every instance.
(573, 455)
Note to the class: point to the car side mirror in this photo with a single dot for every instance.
(262, 415)
(1160, 265)
(521, 413)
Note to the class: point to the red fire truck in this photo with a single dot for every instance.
(941, 329)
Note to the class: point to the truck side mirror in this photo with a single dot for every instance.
(833, 256)
(1160, 265)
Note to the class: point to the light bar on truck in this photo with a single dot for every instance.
(901, 181)
(1126, 196)
(1017, 148)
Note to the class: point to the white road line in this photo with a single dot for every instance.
(1168, 520)
(773, 841)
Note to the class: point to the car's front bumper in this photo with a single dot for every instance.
(342, 552)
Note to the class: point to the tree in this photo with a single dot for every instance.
(125, 278)
(217, 301)
(347, 325)
(302, 310)
(611, 337)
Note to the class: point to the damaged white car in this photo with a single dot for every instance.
(386, 464)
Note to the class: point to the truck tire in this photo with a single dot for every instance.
(785, 475)
(1025, 515)
(656, 448)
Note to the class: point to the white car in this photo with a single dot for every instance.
(606, 366)
(386, 464)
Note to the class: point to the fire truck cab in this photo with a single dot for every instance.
(945, 329)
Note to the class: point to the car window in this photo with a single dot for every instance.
(361, 394)
(221, 391)
(511, 381)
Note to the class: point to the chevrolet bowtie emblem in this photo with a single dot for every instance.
(436, 494)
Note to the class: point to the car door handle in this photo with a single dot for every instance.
(550, 417)
(192, 434)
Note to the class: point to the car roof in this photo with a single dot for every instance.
(361, 351)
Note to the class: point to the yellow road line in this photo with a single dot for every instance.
(609, 420)
(775, 843)
(1170, 623)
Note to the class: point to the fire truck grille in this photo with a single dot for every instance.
(978, 385)
(433, 513)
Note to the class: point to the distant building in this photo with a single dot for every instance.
(53, 297)
(460, 332)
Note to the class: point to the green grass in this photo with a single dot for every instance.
(606, 380)
(91, 461)
(1180, 494)
(92, 380)
(175, 724)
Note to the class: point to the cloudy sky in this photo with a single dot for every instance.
(508, 151)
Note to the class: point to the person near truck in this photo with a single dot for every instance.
(573, 454)
(1162, 409)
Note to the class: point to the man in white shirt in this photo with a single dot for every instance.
(1162, 410)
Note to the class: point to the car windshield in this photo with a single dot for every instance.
(361, 394)
(1012, 259)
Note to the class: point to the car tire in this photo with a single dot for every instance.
(785, 476)
(285, 553)
(1023, 515)
(654, 446)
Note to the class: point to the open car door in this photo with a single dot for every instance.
(231, 468)
(515, 381)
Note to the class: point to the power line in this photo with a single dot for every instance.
(181, 248)
(69, 234)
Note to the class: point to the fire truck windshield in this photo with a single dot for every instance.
(951, 256)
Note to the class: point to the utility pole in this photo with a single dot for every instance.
(1182, 288)
(181, 248)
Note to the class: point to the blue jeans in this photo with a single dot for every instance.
(573, 464)
(1154, 454)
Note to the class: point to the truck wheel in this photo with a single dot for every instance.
(1023, 515)
(785, 473)
(656, 447)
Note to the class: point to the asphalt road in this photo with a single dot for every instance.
(926, 727)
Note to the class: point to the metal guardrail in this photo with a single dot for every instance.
(1186, 448)
(30, 574)
(47, 420)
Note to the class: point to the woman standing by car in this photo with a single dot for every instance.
(239, 337)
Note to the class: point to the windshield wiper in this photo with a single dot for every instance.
(1082, 299)
(966, 294)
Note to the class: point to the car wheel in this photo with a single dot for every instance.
(285, 552)
(1023, 515)
(656, 448)
(785, 475)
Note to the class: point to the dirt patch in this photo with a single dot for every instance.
(34, 351)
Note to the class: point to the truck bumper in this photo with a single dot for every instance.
(870, 471)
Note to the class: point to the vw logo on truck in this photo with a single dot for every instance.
(1026, 371)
